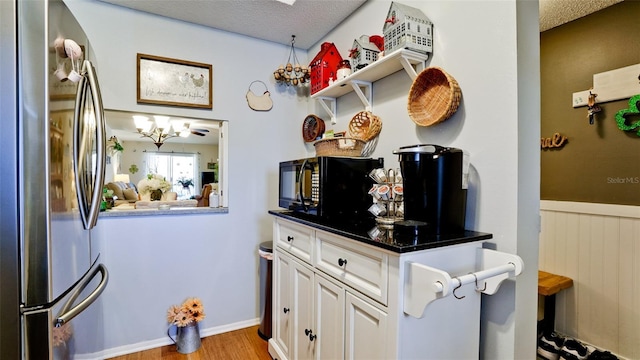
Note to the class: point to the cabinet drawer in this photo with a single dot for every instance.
(358, 266)
(295, 239)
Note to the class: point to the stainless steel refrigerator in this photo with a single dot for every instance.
(52, 161)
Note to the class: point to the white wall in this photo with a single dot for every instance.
(214, 256)
(491, 48)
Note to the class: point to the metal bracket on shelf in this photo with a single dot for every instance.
(408, 60)
(358, 85)
(329, 105)
(424, 284)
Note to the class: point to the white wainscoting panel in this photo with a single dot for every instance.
(598, 246)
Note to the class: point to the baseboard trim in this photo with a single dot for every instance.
(146, 345)
(627, 211)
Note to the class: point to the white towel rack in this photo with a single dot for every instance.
(424, 284)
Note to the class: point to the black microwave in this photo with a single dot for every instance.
(329, 187)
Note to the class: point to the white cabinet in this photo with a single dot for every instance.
(294, 238)
(309, 312)
(320, 282)
(340, 298)
(364, 268)
(302, 311)
(329, 324)
(281, 308)
(365, 329)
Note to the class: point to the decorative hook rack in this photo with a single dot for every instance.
(425, 284)
(611, 85)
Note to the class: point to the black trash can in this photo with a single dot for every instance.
(266, 265)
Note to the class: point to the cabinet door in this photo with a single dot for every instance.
(283, 301)
(302, 312)
(329, 325)
(365, 329)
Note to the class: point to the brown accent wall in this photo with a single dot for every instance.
(599, 162)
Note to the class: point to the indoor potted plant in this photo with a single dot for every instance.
(185, 182)
(154, 185)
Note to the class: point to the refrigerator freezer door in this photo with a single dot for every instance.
(68, 323)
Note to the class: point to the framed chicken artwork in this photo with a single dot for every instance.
(173, 82)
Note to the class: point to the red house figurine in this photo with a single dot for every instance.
(324, 67)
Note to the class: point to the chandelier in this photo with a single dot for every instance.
(159, 130)
(291, 74)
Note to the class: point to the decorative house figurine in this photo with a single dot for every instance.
(409, 28)
(344, 69)
(324, 67)
(379, 41)
(363, 52)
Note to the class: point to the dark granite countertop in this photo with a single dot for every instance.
(369, 232)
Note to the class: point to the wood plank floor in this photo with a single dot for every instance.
(243, 344)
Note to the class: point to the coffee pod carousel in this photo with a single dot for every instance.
(387, 193)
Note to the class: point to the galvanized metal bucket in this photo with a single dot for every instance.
(187, 338)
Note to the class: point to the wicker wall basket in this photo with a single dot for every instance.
(365, 126)
(434, 97)
(339, 147)
(312, 128)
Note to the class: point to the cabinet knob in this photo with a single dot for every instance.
(342, 262)
(286, 310)
(289, 238)
(309, 333)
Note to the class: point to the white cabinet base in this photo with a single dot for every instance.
(356, 298)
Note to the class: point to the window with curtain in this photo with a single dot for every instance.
(175, 167)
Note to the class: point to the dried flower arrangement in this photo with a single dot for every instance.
(153, 182)
(190, 311)
(61, 334)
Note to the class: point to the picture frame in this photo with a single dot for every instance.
(62, 89)
(173, 82)
(211, 166)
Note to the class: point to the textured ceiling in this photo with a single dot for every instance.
(271, 20)
(310, 20)
(557, 12)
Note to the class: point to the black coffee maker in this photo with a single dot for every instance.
(435, 189)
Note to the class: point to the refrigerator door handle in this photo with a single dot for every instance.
(67, 312)
(89, 216)
(96, 199)
(78, 150)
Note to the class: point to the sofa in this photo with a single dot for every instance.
(126, 196)
(124, 193)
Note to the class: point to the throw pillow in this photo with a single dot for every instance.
(130, 194)
(117, 191)
(170, 196)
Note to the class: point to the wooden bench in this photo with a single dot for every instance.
(549, 285)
